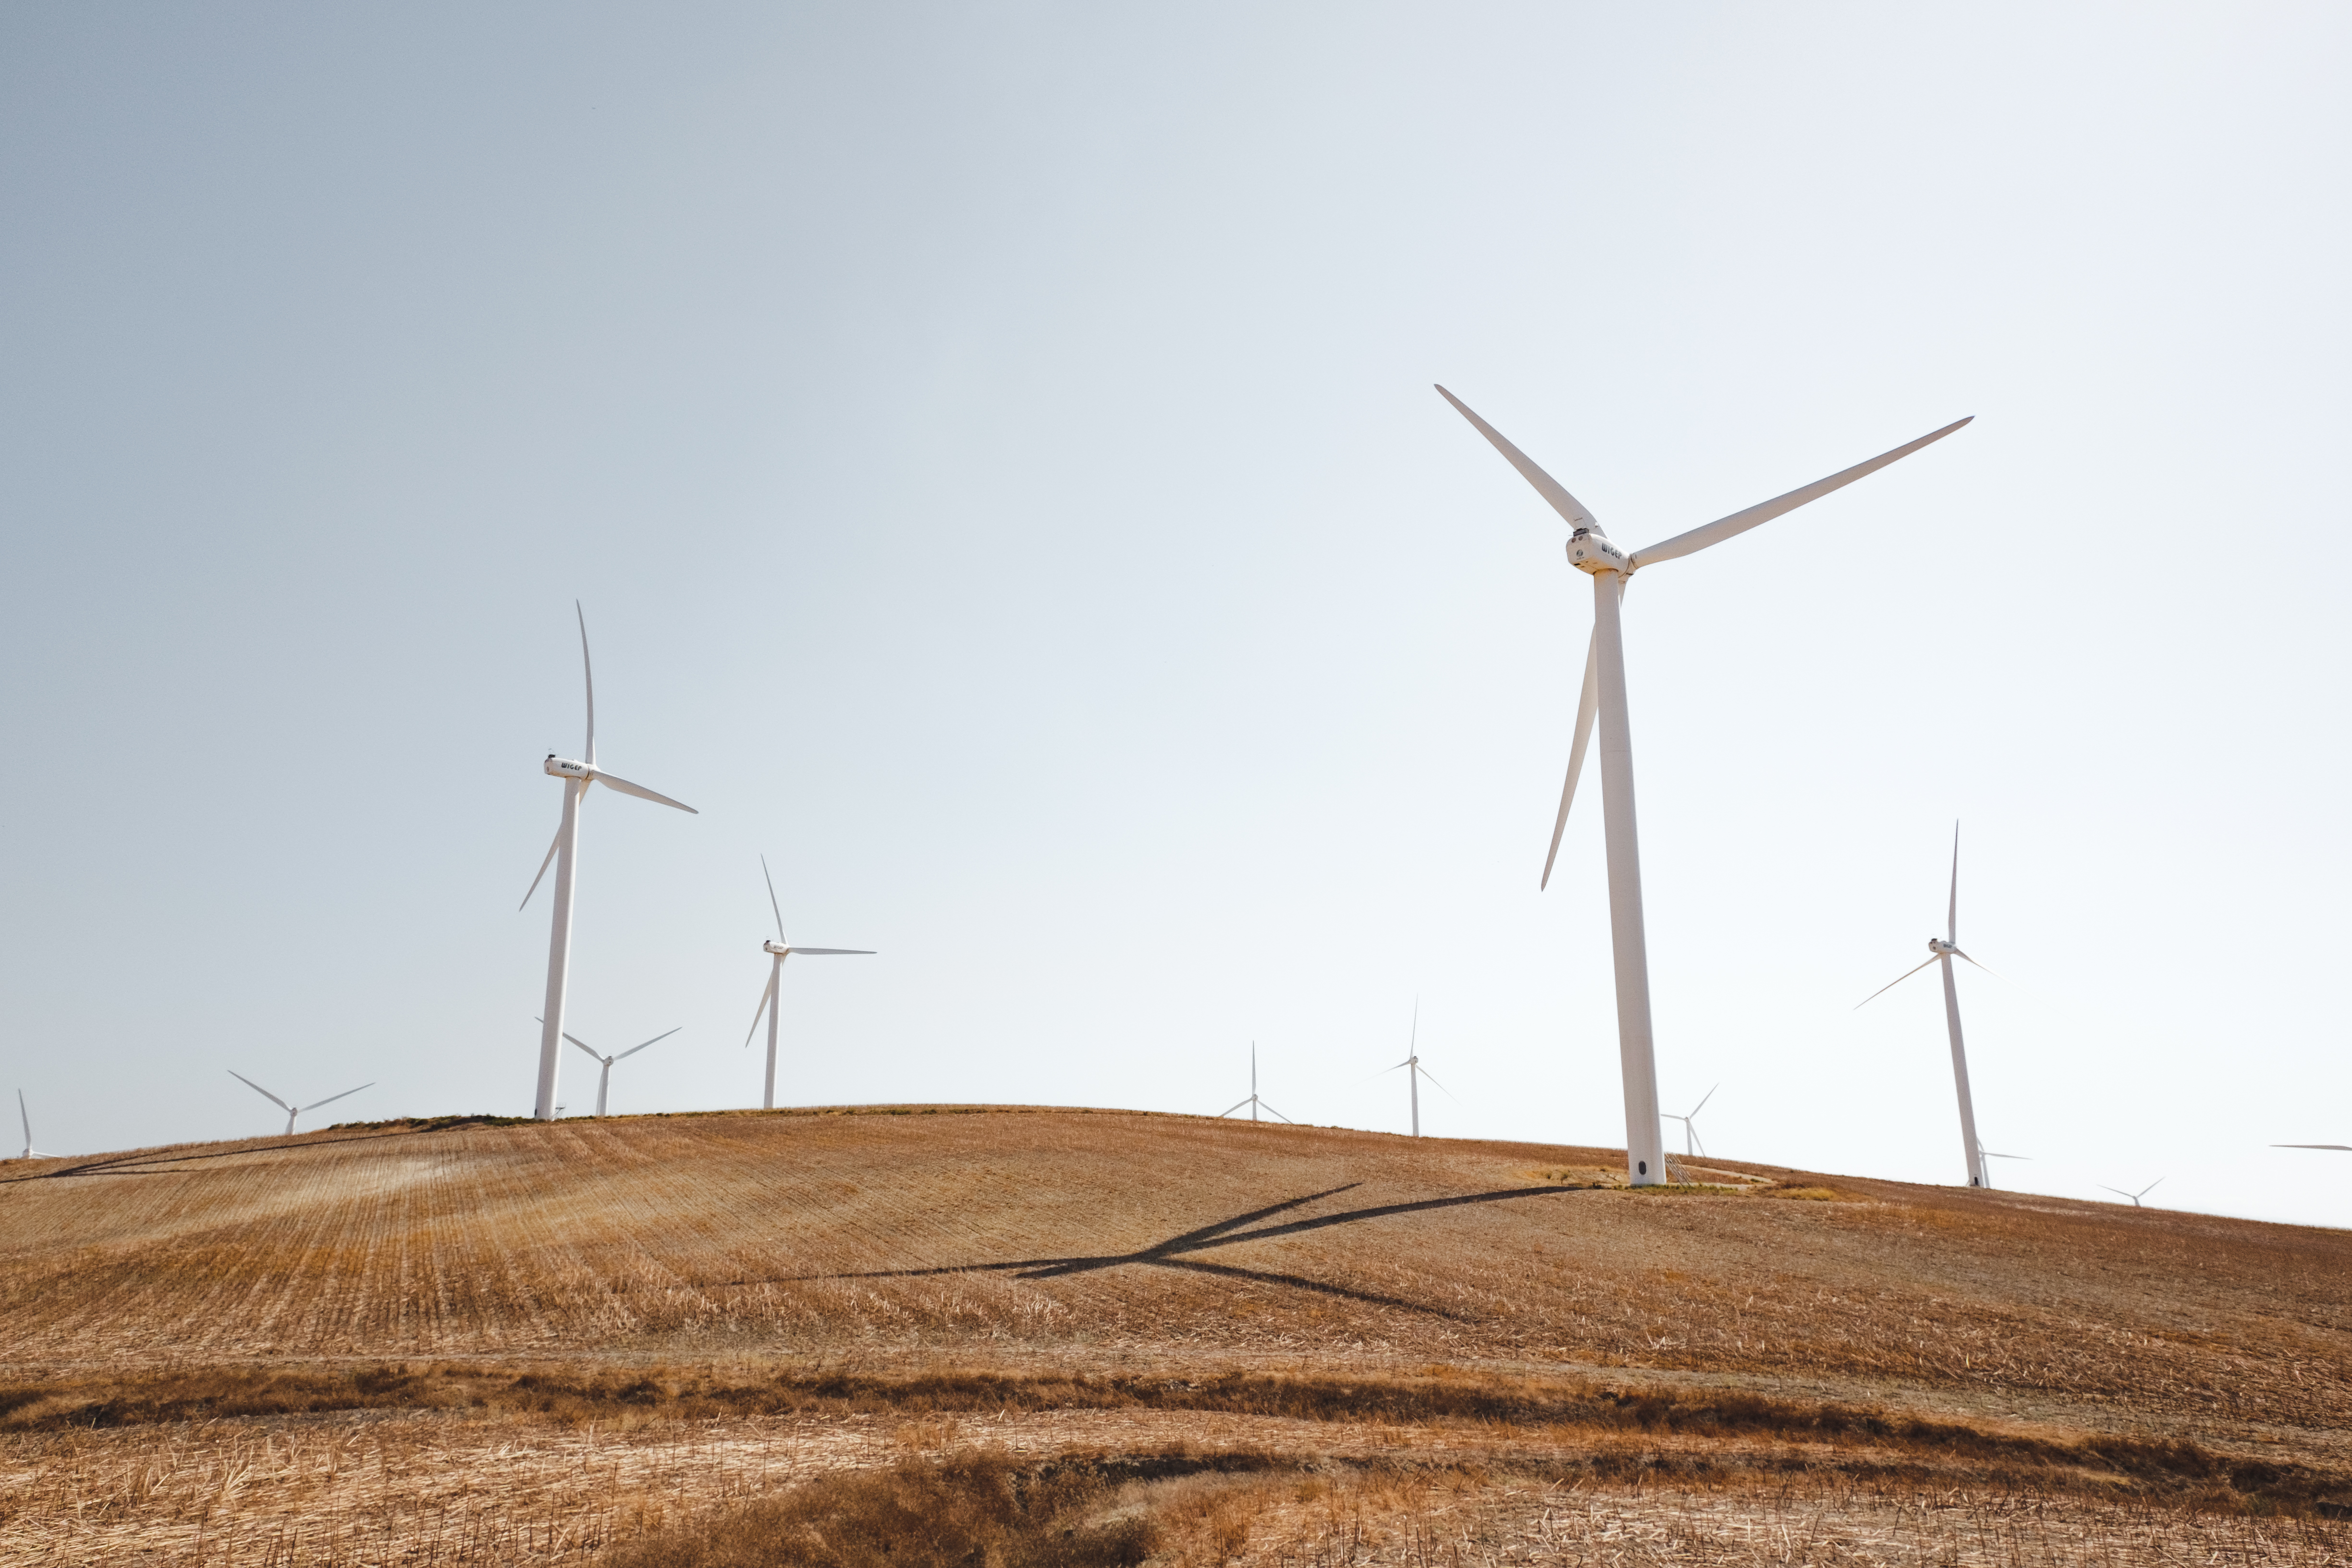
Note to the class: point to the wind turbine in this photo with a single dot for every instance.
(605, 1081)
(1690, 1123)
(2134, 1197)
(1590, 551)
(26, 1118)
(565, 853)
(1416, 1071)
(1943, 950)
(771, 1000)
(291, 1110)
(1254, 1102)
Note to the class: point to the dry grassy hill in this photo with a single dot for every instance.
(479, 1343)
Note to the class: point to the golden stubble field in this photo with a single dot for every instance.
(488, 1344)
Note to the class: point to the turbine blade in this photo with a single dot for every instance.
(552, 845)
(259, 1090)
(1952, 915)
(1723, 528)
(767, 1000)
(2342, 1147)
(1433, 1078)
(333, 1098)
(1270, 1110)
(1888, 987)
(2118, 1191)
(1550, 489)
(780, 937)
(1993, 973)
(26, 1118)
(585, 1046)
(642, 792)
(1702, 1104)
(1229, 1109)
(2149, 1188)
(657, 1039)
(589, 674)
(833, 952)
(1587, 703)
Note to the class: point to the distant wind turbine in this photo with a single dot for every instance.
(604, 1082)
(2134, 1197)
(291, 1110)
(1943, 950)
(1690, 1123)
(1590, 551)
(565, 853)
(771, 999)
(1254, 1102)
(1415, 1072)
(26, 1118)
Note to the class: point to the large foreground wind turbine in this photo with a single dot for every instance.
(565, 853)
(604, 1082)
(291, 1110)
(1254, 1102)
(26, 1118)
(1943, 950)
(1590, 551)
(771, 999)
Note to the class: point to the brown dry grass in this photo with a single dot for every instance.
(464, 1340)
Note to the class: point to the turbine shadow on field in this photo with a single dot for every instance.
(1224, 1232)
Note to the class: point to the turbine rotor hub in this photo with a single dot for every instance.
(1589, 550)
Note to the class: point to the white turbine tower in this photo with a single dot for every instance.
(1254, 1102)
(1690, 1123)
(565, 853)
(604, 1081)
(1943, 950)
(2134, 1197)
(291, 1110)
(1590, 551)
(26, 1118)
(771, 999)
(1415, 1071)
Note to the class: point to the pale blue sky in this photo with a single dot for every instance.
(994, 446)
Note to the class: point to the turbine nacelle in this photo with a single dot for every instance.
(1941, 949)
(1589, 550)
(778, 948)
(565, 768)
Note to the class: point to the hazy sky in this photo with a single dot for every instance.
(995, 445)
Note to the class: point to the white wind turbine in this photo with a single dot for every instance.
(604, 1082)
(1254, 1102)
(2134, 1197)
(291, 1110)
(1590, 551)
(26, 1118)
(565, 853)
(1943, 950)
(771, 999)
(1690, 1123)
(1415, 1071)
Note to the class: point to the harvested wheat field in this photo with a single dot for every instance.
(974, 1334)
